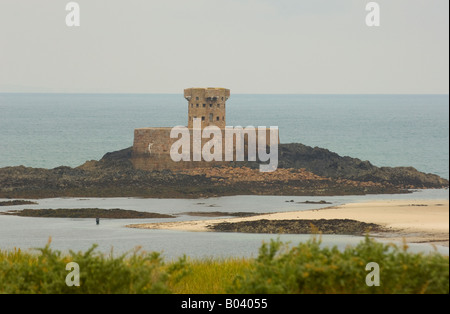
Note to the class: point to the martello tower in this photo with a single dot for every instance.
(152, 146)
(207, 104)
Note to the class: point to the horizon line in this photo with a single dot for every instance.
(294, 94)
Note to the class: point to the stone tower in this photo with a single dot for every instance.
(152, 146)
(207, 104)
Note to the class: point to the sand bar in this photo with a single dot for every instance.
(416, 221)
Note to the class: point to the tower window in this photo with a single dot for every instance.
(218, 105)
(217, 119)
(204, 105)
(203, 118)
(222, 98)
(211, 117)
(196, 98)
(210, 105)
(192, 105)
(196, 105)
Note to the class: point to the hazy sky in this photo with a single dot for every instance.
(249, 46)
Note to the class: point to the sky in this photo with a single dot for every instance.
(249, 46)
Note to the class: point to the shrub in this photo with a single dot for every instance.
(46, 272)
(280, 268)
(310, 268)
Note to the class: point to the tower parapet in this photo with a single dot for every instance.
(207, 104)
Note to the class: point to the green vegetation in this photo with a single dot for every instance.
(46, 272)
(311, 268)
(280, 268)
(211, 276)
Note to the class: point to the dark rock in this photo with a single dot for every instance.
(114, 176)
(324, 163)
(312, 202)
(221, 214)
(303, 226)
(17, 202)
(86, 213)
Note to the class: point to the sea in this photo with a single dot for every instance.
(52, 130)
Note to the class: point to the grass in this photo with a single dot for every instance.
(279, 268)
(210, 276)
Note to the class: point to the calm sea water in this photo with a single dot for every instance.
(50, 130)
(80, 234)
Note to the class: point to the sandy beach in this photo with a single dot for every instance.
(415, 221)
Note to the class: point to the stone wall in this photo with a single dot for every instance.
(151, 150)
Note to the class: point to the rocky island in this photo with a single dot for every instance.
(148, 169)
(302, 170)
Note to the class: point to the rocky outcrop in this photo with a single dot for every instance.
(302, 170)
(328, 164)
(299, 226)
(17, 203)
(115, 213)
(325, 163)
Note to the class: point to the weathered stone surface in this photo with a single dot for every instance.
(151, 150)
(207, 104)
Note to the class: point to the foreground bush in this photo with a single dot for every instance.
(46, 272)
(279, 268)
(311, 268)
